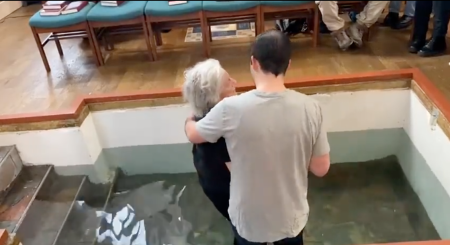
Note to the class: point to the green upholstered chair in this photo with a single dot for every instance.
(230, 12)
(229, 6)
(277, 10)
(128, 15)
(160, 15)
(61, 27)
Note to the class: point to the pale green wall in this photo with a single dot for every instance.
(352, 146)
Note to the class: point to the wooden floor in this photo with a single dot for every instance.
(26, 87)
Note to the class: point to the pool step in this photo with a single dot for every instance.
(20, 196)
(85, 215)
(49, 210)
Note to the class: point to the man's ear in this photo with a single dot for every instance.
(254, 63)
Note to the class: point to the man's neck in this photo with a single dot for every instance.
(270, 84)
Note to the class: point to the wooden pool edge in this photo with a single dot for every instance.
(75, 115)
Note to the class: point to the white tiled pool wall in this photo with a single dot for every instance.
(362, 126)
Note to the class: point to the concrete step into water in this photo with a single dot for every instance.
(85, 215)
(50, 209)
(17, 201)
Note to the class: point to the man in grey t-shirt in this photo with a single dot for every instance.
(274, 137)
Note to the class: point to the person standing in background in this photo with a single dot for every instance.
(437, 44)
(393, 18)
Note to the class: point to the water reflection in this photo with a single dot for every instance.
(147, 215)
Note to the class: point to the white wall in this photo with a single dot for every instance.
(164, 125)
(343, 111)
(425, 160)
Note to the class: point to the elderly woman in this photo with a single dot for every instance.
(205, 85)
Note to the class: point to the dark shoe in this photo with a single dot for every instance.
(166, 30)
(391, 19)
(416, 45)
(435, 47)
(404, 22)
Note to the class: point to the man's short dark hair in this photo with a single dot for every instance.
(272, 49)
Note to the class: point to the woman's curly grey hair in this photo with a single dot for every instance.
(202, 86)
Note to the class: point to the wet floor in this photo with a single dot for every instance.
(356, 203)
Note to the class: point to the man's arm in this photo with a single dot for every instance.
(208, 129)
(320, 160)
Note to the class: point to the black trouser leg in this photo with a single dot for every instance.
(421, 19)
(441, 18)
(437, 44)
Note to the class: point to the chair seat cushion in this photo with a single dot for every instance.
(228, 6)
(162, 8)
(127, 11)
(59, 21)
(283, 3)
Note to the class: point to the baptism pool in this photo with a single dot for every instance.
(356, 203)
(121, 172)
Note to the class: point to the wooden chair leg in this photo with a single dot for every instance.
(158, 36)
(58, 46)
(210, 34)
(205, 35)
(258, 23)
(107, 43)
(316, 26)
(262, 24)
(147, 39)
(40, 48)
(152, 40)
(95, 46)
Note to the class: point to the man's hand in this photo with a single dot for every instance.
(191, 131)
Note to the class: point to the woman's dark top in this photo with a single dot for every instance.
(209, 160)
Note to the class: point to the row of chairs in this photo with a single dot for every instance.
(151, 17)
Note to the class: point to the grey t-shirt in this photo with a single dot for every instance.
(271, 138)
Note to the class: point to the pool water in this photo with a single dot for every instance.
(162, 209)
(356, 203)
